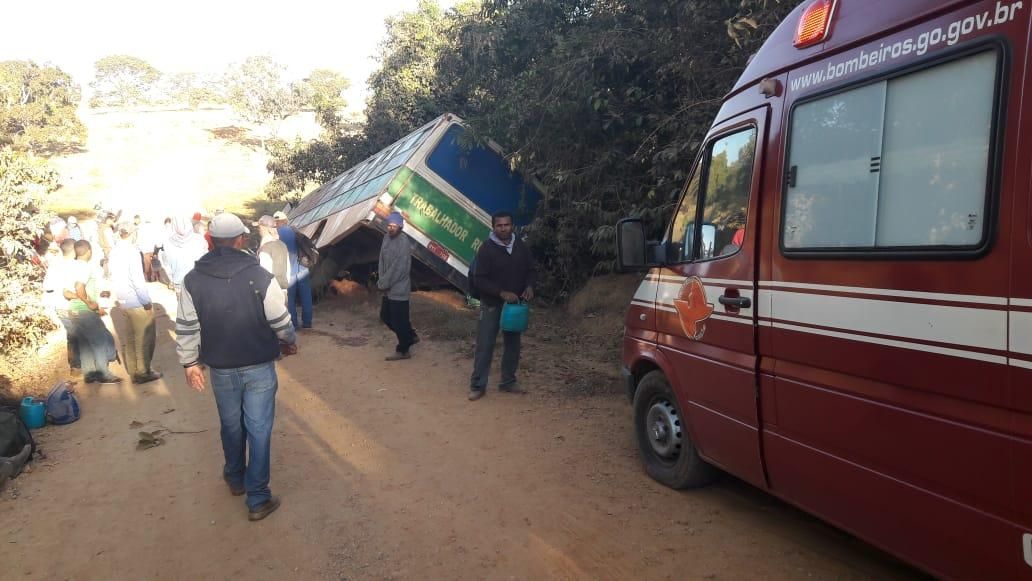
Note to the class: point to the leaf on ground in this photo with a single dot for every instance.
(134, 425)
(168, 411)
(149, 440)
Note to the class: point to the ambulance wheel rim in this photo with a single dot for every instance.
(663, 427)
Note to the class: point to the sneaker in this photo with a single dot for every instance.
(147, 377)
(91, 378)
(398, 356)
(513, 387)
(264, 509)
(475, 394)
(109, 379)
(235, 489)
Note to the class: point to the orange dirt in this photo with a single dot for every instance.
(387, 472)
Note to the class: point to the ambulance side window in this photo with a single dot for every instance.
(727, 169)
(728, 184)
(898, 164)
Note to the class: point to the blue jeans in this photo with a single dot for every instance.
(246, 398)
(300, 288)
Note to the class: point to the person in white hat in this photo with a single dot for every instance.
(133, 316)
(74, 232)
(232, 319)
(300, 290)
(272, 252)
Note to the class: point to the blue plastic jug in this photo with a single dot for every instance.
(515, 317)
(33, 413)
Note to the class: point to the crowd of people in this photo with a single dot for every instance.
(237, 312)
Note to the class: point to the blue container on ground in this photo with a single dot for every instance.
(33, 413)
(515, 317)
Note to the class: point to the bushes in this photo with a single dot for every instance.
(24, 181)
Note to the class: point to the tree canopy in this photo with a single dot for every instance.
(24, 181)
(38, 108)
(258, 92)
(122, 81)
(606, 102)
(323, 92)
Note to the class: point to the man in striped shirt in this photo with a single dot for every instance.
(232, 318)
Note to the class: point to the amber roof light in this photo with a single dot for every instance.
(814, 23)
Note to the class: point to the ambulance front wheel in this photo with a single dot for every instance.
(665, 444)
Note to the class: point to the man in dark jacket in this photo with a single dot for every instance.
(232, 318)
(504, 273)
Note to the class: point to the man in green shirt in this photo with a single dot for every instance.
(96, 345)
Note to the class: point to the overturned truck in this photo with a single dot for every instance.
(445, 187)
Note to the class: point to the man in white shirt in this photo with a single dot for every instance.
(181, 251)
(133, 317)
(55, 284)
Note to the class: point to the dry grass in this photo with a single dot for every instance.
(159, 162)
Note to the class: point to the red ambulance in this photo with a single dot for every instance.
(840, 311)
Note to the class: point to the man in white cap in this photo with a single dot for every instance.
(133, 317)
(300, 287)
(272, 252)
(231, 318)
(394, 277)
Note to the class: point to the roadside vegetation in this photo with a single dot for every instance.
(604, 102)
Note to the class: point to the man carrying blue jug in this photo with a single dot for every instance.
(503, 273)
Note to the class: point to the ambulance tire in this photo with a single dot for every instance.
(664, 441)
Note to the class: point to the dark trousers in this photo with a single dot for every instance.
(487, 332)
(395, 314)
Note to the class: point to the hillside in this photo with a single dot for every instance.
(158, 162)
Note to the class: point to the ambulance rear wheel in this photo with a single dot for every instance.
(666, 446)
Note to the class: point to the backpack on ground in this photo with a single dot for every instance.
(62, 405)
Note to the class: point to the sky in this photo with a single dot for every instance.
(202, 35)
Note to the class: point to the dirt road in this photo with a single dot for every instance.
(387, 472)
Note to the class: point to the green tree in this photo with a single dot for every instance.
(38, 108)
(323, 92)
(24, 182)
(402, 89)
(258, 92)
(122, 81)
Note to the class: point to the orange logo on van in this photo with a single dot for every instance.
(692, 308)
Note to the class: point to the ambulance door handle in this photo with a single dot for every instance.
(736, 302)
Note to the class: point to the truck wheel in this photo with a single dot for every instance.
(661, 430)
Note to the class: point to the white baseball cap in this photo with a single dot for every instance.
(226, 225)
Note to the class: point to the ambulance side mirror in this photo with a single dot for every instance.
(633, 252)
